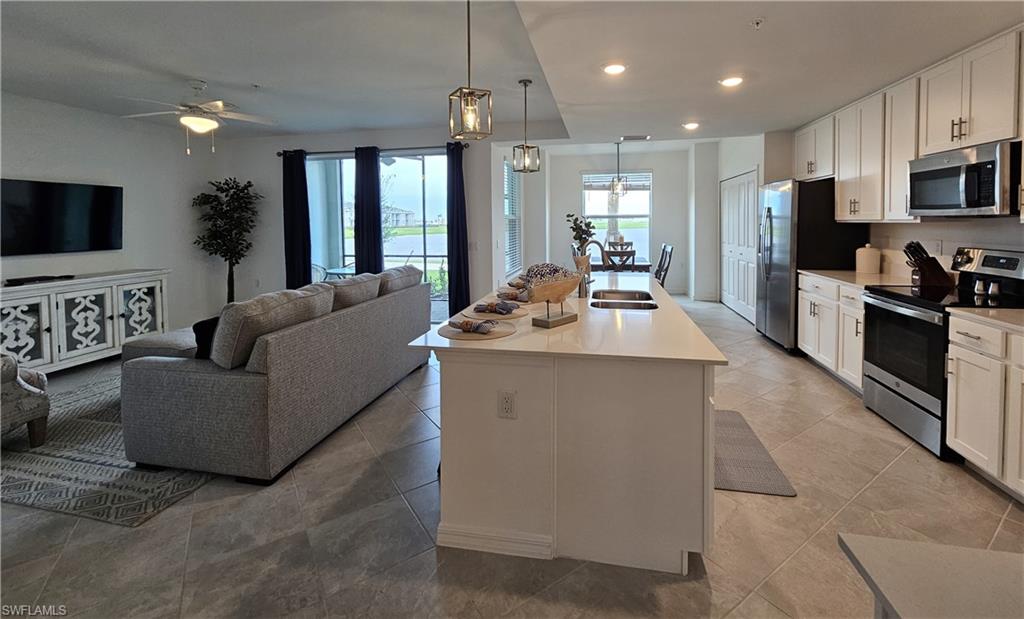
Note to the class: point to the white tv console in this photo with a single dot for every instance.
(58, 324)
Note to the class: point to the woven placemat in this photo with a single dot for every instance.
(503, 329)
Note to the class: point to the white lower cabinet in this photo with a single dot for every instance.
(807, 325)
(851, 344)
(818, 329)
(985, 402)
(974, 408)
(1013, 473)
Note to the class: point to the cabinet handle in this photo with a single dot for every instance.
(846, 296)
(960, 129)
(814, 164)
(970, 335)
(46, 329)
(952, 130)
(110, 317)
(856, 327)
(906, 203)
(123, 315)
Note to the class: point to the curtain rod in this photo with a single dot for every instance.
(383, 150)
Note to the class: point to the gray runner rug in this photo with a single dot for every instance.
(741, 461)
(81, 469)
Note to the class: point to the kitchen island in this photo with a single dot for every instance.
(606, 450)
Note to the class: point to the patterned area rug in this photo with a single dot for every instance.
(741, 461)
(81, 469)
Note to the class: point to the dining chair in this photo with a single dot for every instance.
(319, 273)
(663, 263)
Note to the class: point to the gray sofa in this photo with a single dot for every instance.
(300, 383)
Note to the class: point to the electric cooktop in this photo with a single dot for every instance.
(938, 298)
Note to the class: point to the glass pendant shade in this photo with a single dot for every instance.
(469, 113)
(525, 158)
(617, 187)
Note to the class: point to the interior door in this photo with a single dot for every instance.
(739, 243)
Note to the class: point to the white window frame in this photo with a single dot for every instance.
(514, 221)
(626, 173)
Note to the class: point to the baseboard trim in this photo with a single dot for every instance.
(503, 542)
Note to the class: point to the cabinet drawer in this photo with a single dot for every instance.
(982, 338)
(850, 296)
(1016, 349)
(820, 287)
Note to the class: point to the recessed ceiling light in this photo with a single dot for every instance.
(690, 126)
(613, 69)
(731, 82)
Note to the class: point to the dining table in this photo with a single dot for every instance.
(620, 260)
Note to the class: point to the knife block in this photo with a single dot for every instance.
(930, 273)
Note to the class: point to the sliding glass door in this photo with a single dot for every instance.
(414, 222)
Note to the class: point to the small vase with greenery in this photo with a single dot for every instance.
(229, 216)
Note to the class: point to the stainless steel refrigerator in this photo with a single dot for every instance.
(797, 230)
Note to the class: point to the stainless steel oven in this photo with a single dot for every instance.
(904, 367)
(983, 180)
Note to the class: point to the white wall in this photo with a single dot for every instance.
(741, 155)
(705, 246)
(669, 211)
(47, 141)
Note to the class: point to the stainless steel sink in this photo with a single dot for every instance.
(624, 305)
(622, 295)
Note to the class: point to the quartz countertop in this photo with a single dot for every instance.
(666, 333)
(1010, 319)
(860, 280)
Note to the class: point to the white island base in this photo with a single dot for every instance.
(610, 454)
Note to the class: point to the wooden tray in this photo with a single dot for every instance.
(503, 329)
(515, 315)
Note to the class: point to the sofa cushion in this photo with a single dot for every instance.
(399, 278)
(354, 290)
(177, 343)
(241, 324)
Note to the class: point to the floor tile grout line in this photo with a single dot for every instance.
(1002, 520)
(188, 547)
(305, 531)
(60, 555)
(552, 584)
(826, 523)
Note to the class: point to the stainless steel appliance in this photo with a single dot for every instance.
(797, 230)
(906, 339)
(983, 180)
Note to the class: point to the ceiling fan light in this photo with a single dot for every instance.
(199, 124)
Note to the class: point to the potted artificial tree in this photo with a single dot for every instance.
(229, 216)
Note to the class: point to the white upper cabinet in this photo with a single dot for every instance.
(970, 99)
(860, 137)
(900, 149)
(813, 150)
(990, 92)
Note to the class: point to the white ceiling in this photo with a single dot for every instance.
(808, 59)
(323, 66)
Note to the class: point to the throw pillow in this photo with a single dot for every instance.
(241, 324)
(204, 330)
(354, 290)
(399, 278)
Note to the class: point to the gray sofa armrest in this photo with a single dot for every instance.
(193, 414)
(22, 394)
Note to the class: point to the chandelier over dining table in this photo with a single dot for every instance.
(469, 109)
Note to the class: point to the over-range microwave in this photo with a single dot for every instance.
(983, 180)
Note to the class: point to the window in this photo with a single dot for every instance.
(513, 220)
(414, 216)
(629, 215)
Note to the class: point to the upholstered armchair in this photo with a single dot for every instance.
(23, 399)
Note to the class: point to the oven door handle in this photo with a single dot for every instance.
(904, 310)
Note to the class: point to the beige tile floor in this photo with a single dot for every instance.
(349, 530)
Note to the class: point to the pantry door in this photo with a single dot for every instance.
(738, 200)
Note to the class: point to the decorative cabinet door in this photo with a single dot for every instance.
(139, 310)
(85, 322)
(26, 330)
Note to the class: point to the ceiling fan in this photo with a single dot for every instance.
(200, 116)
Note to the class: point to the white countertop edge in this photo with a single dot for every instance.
(1012, 319)
(568, 355)
(857, 280)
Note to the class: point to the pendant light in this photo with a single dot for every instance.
(469, 109)
(525, 156)
(618, 184)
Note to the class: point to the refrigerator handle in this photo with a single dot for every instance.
(766, 261)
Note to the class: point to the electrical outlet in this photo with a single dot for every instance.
(507, 404)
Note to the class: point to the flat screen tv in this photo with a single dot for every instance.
(38, 217)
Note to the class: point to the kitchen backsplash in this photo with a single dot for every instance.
(941, 238)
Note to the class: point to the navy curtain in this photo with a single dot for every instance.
(297, 267)
(458, 233)
(369, 238)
